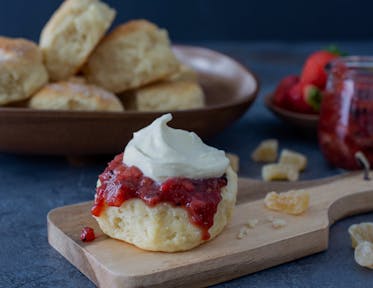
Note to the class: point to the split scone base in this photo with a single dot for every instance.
(164, 227)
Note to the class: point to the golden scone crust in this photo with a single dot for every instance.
(163, 227)
(165, 96)
(22, 71)
(183, 73)
(75, 96)
(134, 54)
(72, 33)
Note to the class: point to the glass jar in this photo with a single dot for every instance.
(346, 116)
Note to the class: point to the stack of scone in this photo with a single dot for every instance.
(78, 67)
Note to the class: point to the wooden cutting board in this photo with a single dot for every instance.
(112, 263)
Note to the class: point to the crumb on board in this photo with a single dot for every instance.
(243, 232)
(251, 223)
(278, 223)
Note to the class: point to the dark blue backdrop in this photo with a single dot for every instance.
(196, 20)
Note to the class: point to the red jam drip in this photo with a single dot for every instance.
(200, 198)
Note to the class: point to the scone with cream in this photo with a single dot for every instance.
(167, 192)
(72, 33)
(22, 71)
(132, 55)
(165, 96)
(75, 96)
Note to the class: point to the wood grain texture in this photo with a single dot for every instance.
(112, 263)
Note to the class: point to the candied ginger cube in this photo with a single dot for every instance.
(293, 202)
(360, 233)
(266, 151)
(364, 254)
(272, 172)
(293, 158)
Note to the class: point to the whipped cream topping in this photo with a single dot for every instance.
(162, 152)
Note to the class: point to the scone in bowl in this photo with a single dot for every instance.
(229, 87)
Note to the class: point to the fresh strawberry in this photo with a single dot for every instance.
(314, 69)
(305, 98)
(281, 95)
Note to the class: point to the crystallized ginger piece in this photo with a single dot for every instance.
(294, 202)
(364, 254)
(360, 233)
(272, 172)
(266, 151)
(293, 158)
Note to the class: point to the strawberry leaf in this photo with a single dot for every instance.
(314, 97)
(335, 50)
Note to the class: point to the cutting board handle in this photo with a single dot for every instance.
(336, 197)
(350, 195)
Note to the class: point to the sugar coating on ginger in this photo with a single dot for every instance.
(271, 172)
(362, 240)
(289, 157)
(294, 202)
(266, 151)
(364, 254)
(360, 233)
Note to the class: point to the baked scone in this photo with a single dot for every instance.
(165, 96)
(172, 203)
(22, 71)
(164, 227)
(72, 33)
(183, 73)
(132, 55)
(75, 96)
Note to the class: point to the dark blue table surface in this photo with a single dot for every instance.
(31, 186)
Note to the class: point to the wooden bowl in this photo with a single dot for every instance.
(229, 87)
(299, 120)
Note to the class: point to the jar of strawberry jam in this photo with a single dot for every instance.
(346, 116)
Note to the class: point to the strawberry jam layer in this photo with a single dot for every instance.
(120, 183)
